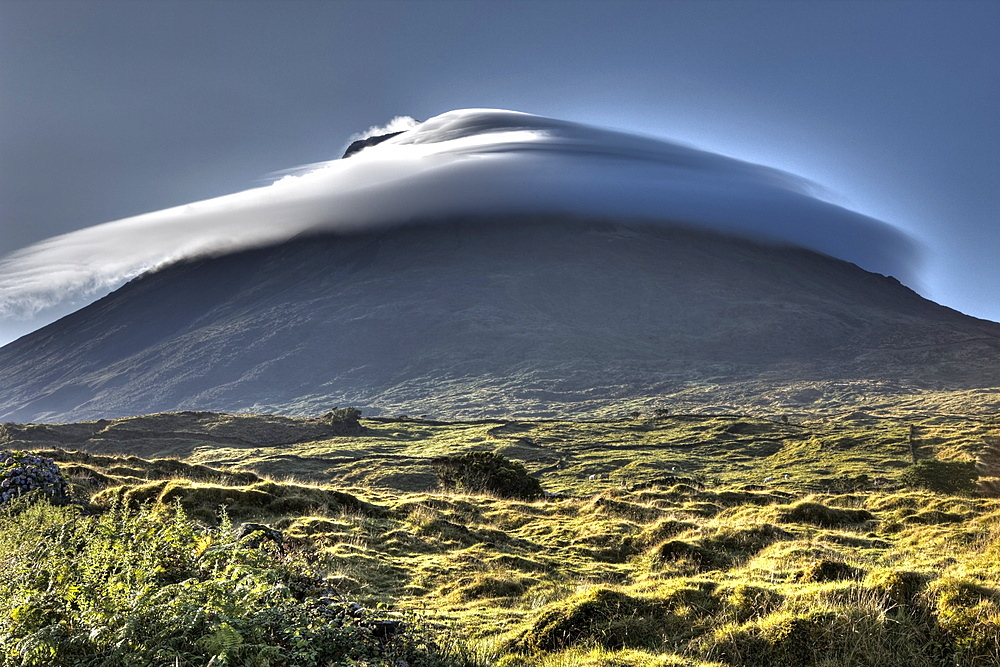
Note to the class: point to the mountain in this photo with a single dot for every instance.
(538, 316)
(361, 144)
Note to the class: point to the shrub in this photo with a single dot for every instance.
(952, 477)
(344, 420)
(486, 472)
(141, 587)
(21, 473)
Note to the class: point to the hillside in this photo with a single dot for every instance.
(719, 541)
(529, 317)
(852, 451)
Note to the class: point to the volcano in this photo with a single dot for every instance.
(488, 263)
(533, 316)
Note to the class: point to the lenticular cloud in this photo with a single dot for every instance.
(461, 163)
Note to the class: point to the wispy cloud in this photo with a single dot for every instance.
(460, 163)
(397, 124)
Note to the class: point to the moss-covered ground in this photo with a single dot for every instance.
(663, 539)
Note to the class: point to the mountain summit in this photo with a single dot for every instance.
(481, 263)
(465, 164)
(537, 315)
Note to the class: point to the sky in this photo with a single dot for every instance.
(115, 109)
(470, 164)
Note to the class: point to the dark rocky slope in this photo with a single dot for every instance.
(466, 320)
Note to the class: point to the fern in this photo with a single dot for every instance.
(137, 586)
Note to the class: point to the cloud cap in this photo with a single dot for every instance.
(473, 162)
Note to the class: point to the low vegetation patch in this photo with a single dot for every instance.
(818, 514)
(137, 587)
(827, 570)
(959, 478)
(486, 472)
(261, 499)
(601, 616)
(696, 540)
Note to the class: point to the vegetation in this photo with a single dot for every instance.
(954, 477)
(345, 420)
(149, 586)
(660, 540)
(486, 472)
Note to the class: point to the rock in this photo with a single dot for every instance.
(255, 533)
(361, 144)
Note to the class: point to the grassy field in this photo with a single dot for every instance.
(661, 540)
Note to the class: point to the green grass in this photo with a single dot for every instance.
(663, 541)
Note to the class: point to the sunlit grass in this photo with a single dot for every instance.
(665, 540)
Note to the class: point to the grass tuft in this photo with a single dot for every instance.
(818, 514)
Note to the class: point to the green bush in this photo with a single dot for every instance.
(344, 420)
(486, 472)
(958, 478)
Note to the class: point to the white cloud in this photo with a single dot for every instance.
(397, 124)
(460, 163)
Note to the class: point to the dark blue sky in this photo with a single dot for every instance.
(110, 109)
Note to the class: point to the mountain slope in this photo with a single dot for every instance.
(534, 317)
